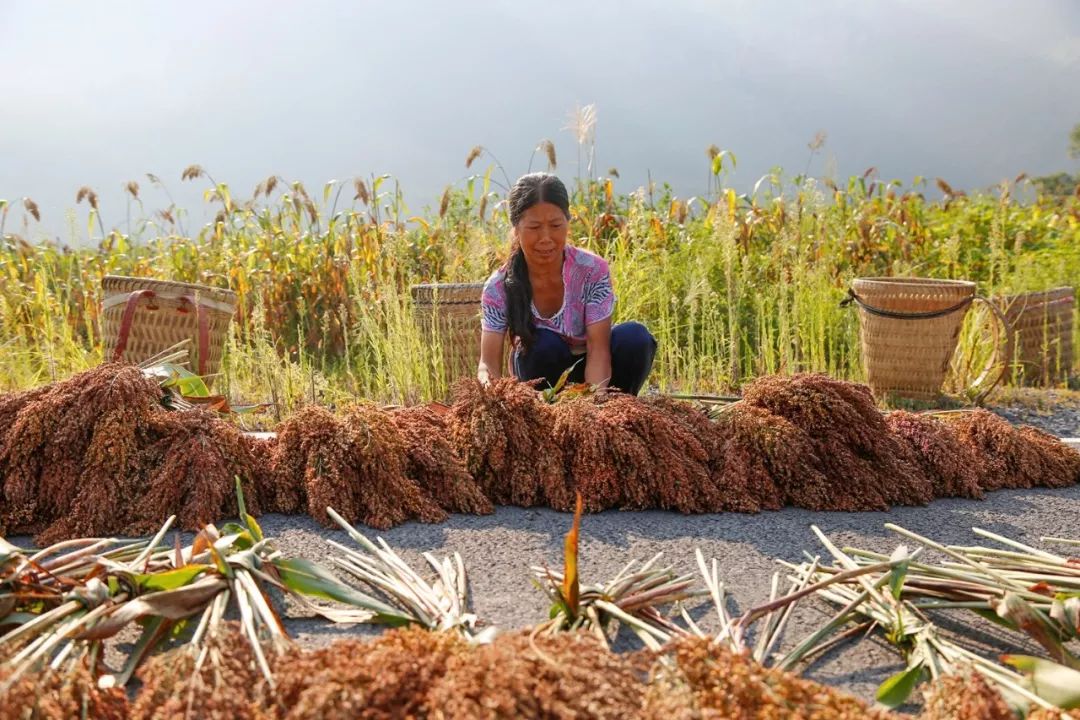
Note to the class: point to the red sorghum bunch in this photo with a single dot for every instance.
(565, 675)
(680, 478)
(12, 403)
(1060, 463)
(191, 468)
(503, 433)
(735, 492)
(431, 461)
(187, 465)
(354, 462)
(768, 462)
(98, 454)
(870, 469)
(950, 464)
(1005, 461)
(48, 694)
(227, 686)
(1014, 458)
(308, 441)
(604, 459)
(1044, 714)
(964, 697)
(49, 451)
(816, 402)
(723, 684)
(388, 677)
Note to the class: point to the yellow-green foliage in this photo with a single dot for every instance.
(732, 285)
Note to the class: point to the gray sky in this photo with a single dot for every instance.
(100, 93)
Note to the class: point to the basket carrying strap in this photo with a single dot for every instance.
(201, 318)
(895, 315)
(203, 322)
(125, 321)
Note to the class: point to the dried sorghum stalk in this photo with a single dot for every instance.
(964, 697)
(228, 684)
(950, 464)
(566, 675)
(1015, 458)
(868, 468)
(388, 677)
(503, 433)
(718, 683)
(434, 465)
(354, 462)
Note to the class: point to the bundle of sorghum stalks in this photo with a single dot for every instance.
(98, 454)
(51, 694)
(430, 460)
(627, 453)
(951, 464)
(705, 679)
(374, 465)
(814, 442)
(421, 674)
(353, 461)
(503, 432)
(826, 445)
(964, 697)
(1011, 457)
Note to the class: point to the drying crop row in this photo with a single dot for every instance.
(212, 644)
(99, 454)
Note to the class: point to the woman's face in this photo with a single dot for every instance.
(541, 231)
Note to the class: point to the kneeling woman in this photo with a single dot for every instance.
(556, 302)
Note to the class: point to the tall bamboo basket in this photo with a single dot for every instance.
(142, 317)
(1039, 347)
(909, 329)
(449, 315)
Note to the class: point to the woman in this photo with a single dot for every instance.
(556, 302)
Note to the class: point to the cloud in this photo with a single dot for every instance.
(971, 90)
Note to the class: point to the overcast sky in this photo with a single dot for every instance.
(100, 93)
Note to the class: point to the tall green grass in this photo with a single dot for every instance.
(731, 285)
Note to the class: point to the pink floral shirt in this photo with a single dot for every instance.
(587, 298)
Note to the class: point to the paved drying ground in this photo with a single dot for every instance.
(498, 550)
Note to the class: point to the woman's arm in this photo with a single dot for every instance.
(598, 347)
(491, 356)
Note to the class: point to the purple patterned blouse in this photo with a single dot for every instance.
(587, 298)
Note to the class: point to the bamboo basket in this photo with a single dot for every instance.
(448, 315)
(909, 329)
(1039, 344)
(142, 317)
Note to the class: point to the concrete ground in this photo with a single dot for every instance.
(498, 549)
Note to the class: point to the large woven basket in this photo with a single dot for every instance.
(1040, 335)
(909, 328)
(141, 318)
(448, 315)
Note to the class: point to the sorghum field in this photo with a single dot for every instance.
(732, 285)
(246, 548)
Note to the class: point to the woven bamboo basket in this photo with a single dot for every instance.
(449, 316)
(909, 328)
(141, 318)
(1039, 345)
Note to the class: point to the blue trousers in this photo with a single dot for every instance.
(632, 351)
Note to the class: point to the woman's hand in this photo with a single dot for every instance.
(598, 357)
(491, 356)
